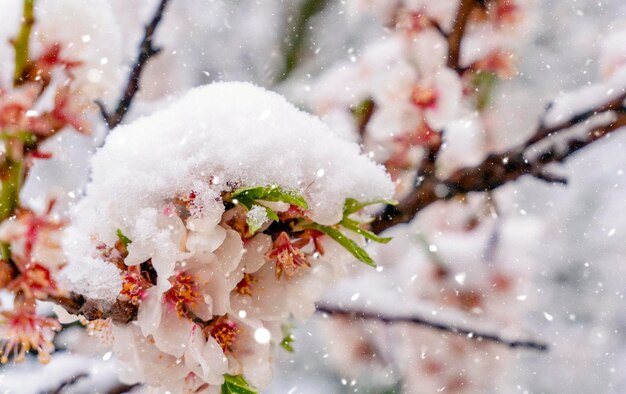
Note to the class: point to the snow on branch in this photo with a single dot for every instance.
(456, 35)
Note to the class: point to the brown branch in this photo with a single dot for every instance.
(500, 168)
(146, 52)
(439, 326)
(93, 309)
(458, 30)
(544, 131)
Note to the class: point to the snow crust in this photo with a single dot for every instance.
(215, 138)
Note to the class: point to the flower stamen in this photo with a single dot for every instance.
(224, 332)
(287, 256)
(182, 294)
(244, 287)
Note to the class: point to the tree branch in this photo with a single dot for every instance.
(298, 32)
(439, 326)
(146, 52)
(93, 309)
(500, 168)
(458, 30)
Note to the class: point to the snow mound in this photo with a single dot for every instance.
(215, 138)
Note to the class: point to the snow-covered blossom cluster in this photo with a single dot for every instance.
(217, 218)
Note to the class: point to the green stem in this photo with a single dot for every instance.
(11, 182)
(21, 42)
(9, 195)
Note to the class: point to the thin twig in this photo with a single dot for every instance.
(458, 31)
(440, 326)
(146, 51)
(67, 383)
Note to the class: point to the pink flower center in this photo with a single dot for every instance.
(224, 332)
(182, 294)
(133, 286)
(244, 287)
(24, 332)
(35, 281)
(288, 258)
(424, 97)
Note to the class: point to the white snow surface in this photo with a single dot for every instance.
(234, 134)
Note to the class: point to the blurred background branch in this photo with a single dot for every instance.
(296, 36)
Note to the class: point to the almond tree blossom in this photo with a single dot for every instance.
(217, 218)
(213, 283)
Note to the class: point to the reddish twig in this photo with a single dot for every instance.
(146, 52)
(439, 326)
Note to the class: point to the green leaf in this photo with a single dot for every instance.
(344, 241)
(237, 385)
(352, 206)
(248, 195)
(353, 225)
(123, 239)
(288, 339)
(270, 212)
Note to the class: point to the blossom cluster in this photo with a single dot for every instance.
(47, 90)
(404, 90)
(216, 257)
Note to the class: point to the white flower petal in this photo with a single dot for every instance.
(198, 242)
